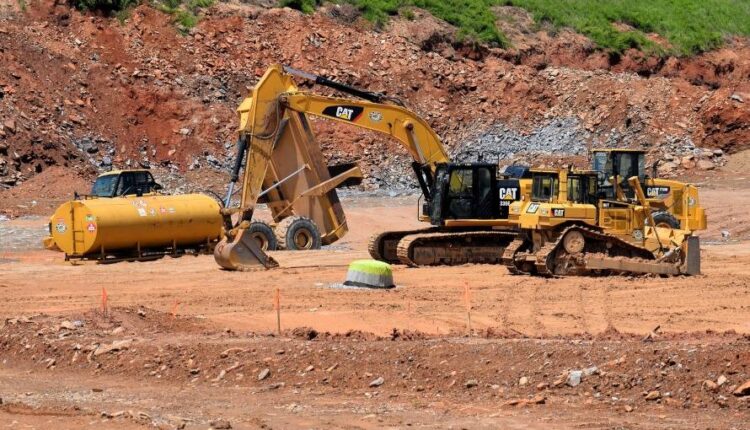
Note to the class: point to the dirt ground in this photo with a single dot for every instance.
(195, 340)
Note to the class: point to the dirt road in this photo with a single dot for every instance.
(413, 336)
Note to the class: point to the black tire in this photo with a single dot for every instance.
(264, 234)
(665, 219)
(297, 233)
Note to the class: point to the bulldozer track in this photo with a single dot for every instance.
(475, 247)
(545, 264)
(509, 256)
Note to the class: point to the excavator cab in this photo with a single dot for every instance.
(464, 191)
(471, 191)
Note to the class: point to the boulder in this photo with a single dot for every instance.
(705, 165)
(742, 390)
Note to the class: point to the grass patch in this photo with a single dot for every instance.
(690, 26)
(473, 18)
(186, 19)
(306, 6)
(123, 15)
(185, 13)
(107, 7)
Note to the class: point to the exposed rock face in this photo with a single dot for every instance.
(89, 94)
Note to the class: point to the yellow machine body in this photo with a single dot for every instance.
(678, 198)
(99, 226)
(569, 229)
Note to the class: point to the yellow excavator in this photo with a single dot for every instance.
(466, 203)
(570, 227)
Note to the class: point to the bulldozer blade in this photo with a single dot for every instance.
(242, 253)
(692, 256)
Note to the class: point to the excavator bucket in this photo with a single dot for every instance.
(242, 253)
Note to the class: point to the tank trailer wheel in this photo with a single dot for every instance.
(573, 242)
(298, 233)
(263, 234)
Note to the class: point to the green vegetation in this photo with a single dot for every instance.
(185, 13)
(306, 6)
(108, 7)
(123, 15)
(690, 26)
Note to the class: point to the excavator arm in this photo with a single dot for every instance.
(276, 113)
(407, 128)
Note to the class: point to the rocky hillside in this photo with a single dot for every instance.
(88, 93)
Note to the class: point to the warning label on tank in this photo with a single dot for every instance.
(89, 218)
(142, 211)
(91, 227)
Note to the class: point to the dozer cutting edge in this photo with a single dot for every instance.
(567, 228)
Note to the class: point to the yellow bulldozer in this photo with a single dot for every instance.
(570, 227)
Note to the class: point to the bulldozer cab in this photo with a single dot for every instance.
(570, 186)
(124, 182)
(545, 186)
(620, 164)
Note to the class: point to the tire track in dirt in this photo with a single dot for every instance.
(579, 303)
(505, 308)
(535, 310)
(595, 305)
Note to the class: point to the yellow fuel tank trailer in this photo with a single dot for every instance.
(135, 226)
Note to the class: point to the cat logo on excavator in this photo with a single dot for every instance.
(347, 113)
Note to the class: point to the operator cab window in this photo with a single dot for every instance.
(135, 183)
(461, 194)
(575, 192)
(104, 186)
(544, 187)
(582, 189)
(462, 183)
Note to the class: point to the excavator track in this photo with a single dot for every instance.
(383, 246)
(450, 249)
(603, 253)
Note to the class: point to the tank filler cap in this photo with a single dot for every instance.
(369, 274)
